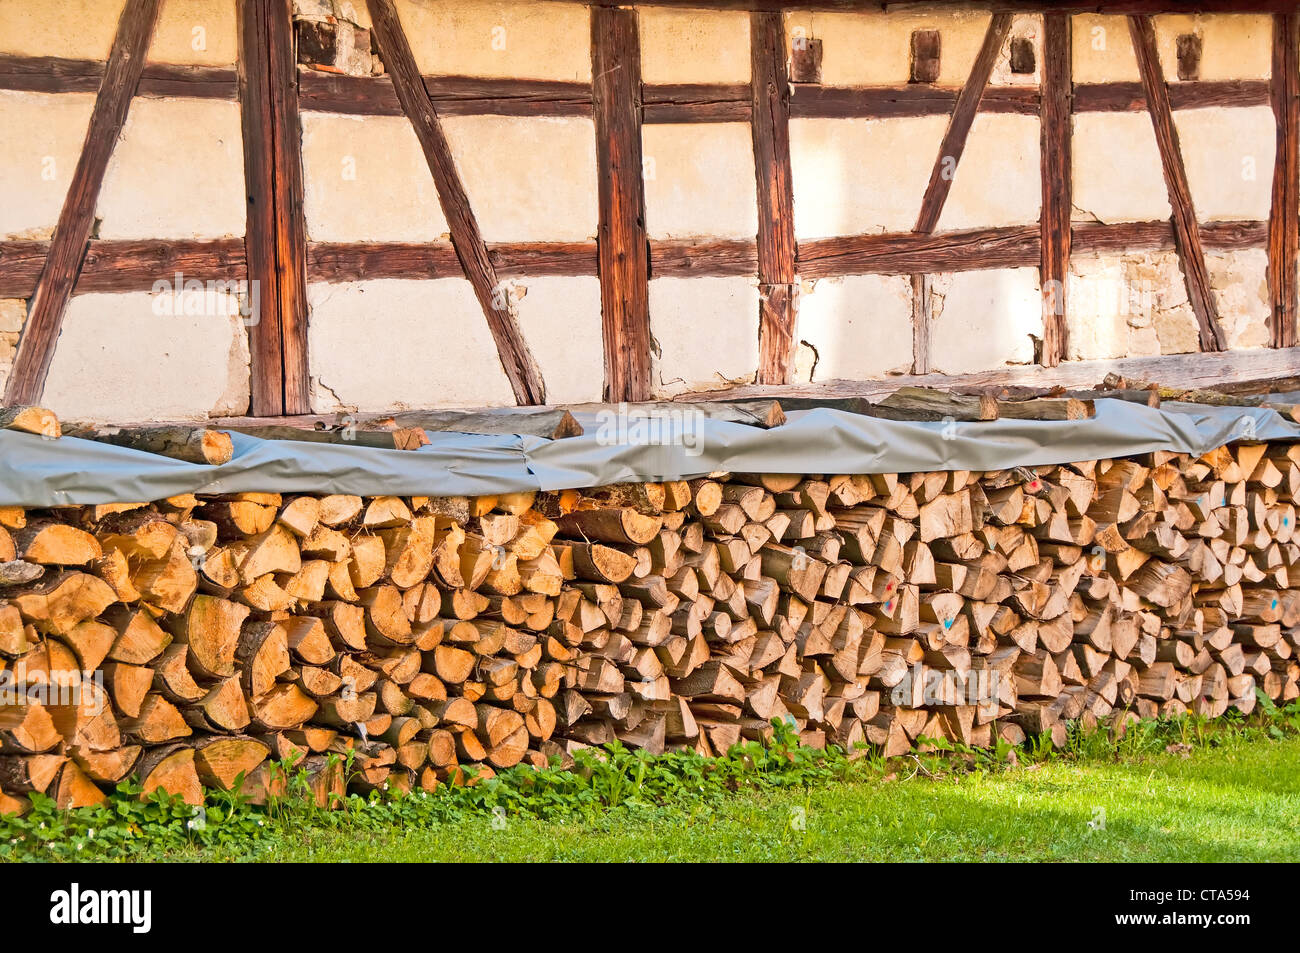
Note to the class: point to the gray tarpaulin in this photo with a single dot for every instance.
(39, 472)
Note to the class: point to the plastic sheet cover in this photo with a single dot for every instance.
(621, 443)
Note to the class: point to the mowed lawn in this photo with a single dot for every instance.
(1240, 802)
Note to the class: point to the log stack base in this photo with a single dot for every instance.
(191, 641)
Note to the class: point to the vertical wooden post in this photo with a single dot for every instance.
(265, 341)
(1056, 171)
(290, 223)
(1187, 235)
(770, 92)
(516, 360)
(921, 317)
(1284, 218)
(62, 266)
(622, 245)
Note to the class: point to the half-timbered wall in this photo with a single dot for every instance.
(467, 203)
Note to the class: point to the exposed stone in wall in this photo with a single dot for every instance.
(984, 319)
(13, 313)
(498, 39)
(1128, 306)
(694, 46)
(699, 180)
(401, 345)
(704, 333)
(1234, 46)
(1239, 280)
(36, 166)
(176, 172)
(856, 327)
(331, 34)
(144, 356)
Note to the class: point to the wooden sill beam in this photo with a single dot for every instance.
(1189, 371)
(72, 233)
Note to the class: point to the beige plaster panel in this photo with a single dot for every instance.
(560, 320)
(997, 181)
(78, 29)
(1027, 26)
(705, 333)
(982, 320)
(1117, 173)
(694, 46)
(528, 179)
(1233, 46)
(860, 176)
(699, 180)
(37, 165)
(872, 48)
(119, 359)
(196, 32)
(521, 39)
(177, 172)
(366, 179)
(854, 328)
(1228, 154)
(398, 345)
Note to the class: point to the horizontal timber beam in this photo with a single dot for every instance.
(663, 102)
(123, 266)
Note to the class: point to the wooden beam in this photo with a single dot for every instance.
(265, 340)
(621, 240)
(72, 232)
(776, 247)
(890, 102)
(963, 114)
(57, 74)
(1056, 170)
(922, 314)
(521, 369)
(1186, 231)
(290, 221)
(1194, 94)
(697, 102)
(1200, 370)
(135, 265)
(451, 95)
(1284, 218)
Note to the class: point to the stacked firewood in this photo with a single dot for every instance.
(195, 642)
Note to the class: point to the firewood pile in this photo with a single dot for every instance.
(194, 641)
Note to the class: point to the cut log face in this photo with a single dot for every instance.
(429, 634)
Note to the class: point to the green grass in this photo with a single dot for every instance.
(1239, 802)
(1179, 790)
